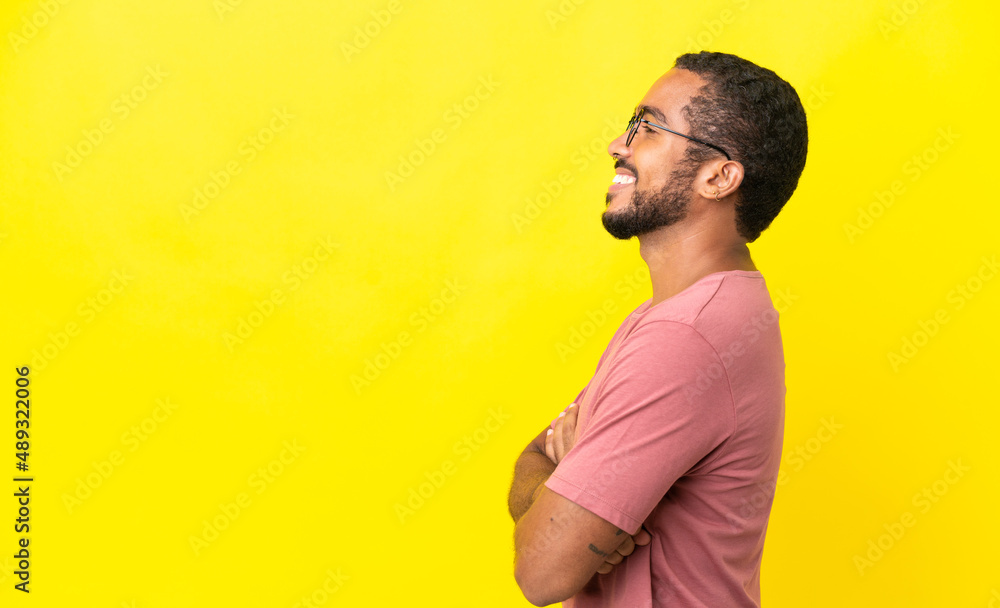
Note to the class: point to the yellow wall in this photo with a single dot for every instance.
(277, 267)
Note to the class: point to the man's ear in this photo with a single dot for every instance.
(719, 179)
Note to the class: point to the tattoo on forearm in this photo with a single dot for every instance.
(619, 533)
(597, 551)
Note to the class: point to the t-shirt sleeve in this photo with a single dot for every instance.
(664, 405)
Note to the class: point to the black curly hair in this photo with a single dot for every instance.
(758, 118)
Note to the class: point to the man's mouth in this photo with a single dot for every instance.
(622, 180)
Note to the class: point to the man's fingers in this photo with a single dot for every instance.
(614, 559)
(569, 421)
(558, 437)
(549, 448)
(627, 546)
(642, 537)
(565, 431)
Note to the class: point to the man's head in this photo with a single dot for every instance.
(709, 106)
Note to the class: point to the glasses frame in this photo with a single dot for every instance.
(637, 119)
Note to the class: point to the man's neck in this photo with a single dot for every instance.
(676, 261)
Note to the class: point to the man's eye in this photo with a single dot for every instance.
(648, 128)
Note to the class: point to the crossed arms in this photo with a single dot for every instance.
(558, 545)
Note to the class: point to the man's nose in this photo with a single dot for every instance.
(617, 147)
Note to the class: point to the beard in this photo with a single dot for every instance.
(647, 211)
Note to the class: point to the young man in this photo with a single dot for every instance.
(654, 487)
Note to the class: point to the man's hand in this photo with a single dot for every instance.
(627, 547)
(562, 436)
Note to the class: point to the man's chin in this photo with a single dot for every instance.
(617, 227)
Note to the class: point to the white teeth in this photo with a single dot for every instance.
(623, 179)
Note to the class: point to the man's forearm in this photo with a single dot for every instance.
(530, 472)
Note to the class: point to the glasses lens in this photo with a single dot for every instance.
(633, 126)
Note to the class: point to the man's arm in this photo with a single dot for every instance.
(539, 459)
(559, 546)
(533, 467)
(552, 561)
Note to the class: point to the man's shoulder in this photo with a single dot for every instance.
(720, 297)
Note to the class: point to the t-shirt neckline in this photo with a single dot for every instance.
(749, 274)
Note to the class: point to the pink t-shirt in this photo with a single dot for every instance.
(680, 431)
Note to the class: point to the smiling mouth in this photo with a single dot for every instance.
(621, 178)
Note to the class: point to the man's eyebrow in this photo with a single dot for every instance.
(658, 115)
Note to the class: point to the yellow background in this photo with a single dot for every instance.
(489, 255)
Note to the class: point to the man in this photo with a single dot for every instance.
(655, 486)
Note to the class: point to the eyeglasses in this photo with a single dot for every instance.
(637, 119)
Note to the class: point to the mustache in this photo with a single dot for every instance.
(621, 162)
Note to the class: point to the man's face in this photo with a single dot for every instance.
(648, 210)
(653, 182)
